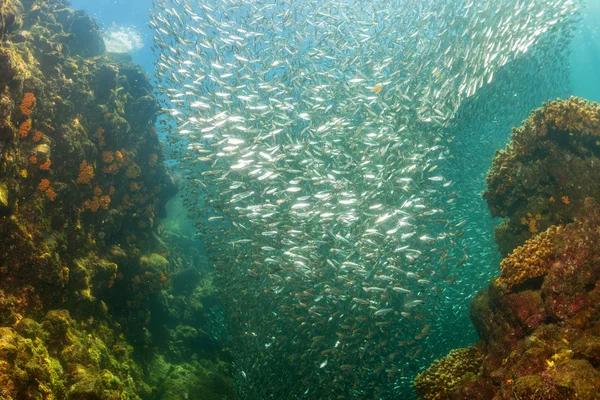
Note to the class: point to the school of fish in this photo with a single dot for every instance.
(317, 140)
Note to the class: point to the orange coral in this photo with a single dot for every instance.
(28, 103)
(37, 136)
(111, 190)
(92, 205)
(97, 191)
(86, 173)
(117, 160)
(44, 185)
(107, 156)
(565, 199)
(25, 128)
(97, 202)
(46, 165)
(33, 160)
(528, 261)
(51, 194)
(531, 221)
(100, 136)
(111, 169)
(104, 202)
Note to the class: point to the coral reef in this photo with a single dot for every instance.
(527, 261)
(544, 174)
(539, 322)
(541, 337)
(59, 359)
(446, 374)
(85, 273)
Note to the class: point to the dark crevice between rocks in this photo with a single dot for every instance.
(530, 284)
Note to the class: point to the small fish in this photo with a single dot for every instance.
(325, 148)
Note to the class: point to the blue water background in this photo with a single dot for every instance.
(126, 13)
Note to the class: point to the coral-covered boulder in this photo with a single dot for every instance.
(26, 368)
(539, 321)
(452, 371)
(544, 174)
(85, 36)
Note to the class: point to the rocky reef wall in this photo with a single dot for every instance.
(84, 263)
(539, 321)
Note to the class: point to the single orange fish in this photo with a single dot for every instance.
(377, 88)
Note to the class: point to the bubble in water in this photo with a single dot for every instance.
(122, 39)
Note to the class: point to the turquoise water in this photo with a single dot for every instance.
(458, 266)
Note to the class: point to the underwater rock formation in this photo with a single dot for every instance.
(541, 336)
(544, 174)
(83, 187)
(539, 321)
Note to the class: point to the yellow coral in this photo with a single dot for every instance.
(437, 381)
(528, 261)
(572, 115)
